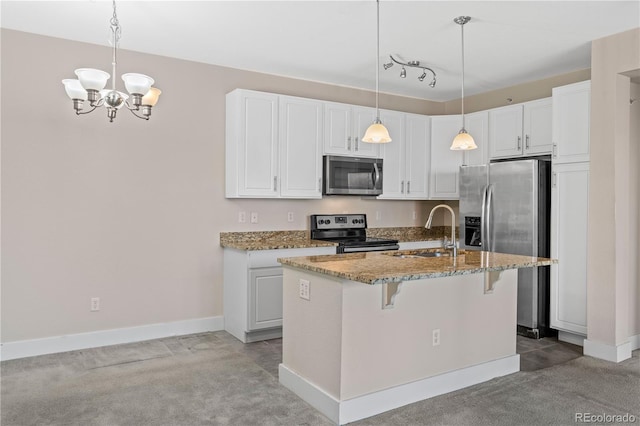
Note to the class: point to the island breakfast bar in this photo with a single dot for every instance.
(365, 333)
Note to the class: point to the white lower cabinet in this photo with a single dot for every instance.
(253, 291)
(569, 208)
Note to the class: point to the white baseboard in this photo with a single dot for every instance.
(574, 339)
(613, 353)
(72, 342)
(368, 405)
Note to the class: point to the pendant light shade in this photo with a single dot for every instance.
(463, 140)
(377, 133)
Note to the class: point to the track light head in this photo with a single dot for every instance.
(387, 66)
(424, 74)
(433, 83)
(403, 73)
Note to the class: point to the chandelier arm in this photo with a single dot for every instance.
(86, 112)
(133, 111)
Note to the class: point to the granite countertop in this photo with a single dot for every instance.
(389, 267)
(270, 240)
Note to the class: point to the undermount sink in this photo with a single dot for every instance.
(419, 253)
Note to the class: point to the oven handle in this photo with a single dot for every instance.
(373, 248)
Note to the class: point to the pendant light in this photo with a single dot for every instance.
(463, 140)
(377, 133)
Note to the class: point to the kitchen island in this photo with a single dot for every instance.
(364, 333)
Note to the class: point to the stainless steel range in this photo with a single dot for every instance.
(349, 231)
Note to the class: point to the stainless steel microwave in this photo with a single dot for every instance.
(351, 175)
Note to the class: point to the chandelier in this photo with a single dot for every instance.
(412, 64)
(90, 85)
(463, 140)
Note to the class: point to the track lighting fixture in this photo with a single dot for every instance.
(412, 64)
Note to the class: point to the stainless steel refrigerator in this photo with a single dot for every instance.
(505, 207)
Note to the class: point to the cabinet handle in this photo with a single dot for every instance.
(349, 143)
(402, 187)
(555, 179)
(275, 183)
(555, 147)
(408, 187)
(526, 143)
(357, 143)
(519, 142)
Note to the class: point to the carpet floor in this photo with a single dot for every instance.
(213, 379)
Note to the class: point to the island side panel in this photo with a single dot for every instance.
(311, 331)
(382, 348)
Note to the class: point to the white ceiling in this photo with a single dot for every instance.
(506, 42)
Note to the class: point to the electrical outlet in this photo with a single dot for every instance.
(414, 215)
(290, 217)
(95, 304)
(242, 217)
(378, 215)
(254, 217)
(435, 337)
(305, 289)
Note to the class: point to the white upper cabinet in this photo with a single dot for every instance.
(406, 157)
(445, 163)
(477, 125)
(520, 130)
(571, 121)
(273, 146)
(300, 147)
(344, 126)
(251, 149)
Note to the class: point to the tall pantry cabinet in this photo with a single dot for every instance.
(569, 210)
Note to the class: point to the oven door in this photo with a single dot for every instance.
(352, 175)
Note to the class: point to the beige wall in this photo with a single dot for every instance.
(613, 191)
(131, 211)
(521, 93)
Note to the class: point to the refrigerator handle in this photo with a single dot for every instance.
(483, 219)
(489, 246)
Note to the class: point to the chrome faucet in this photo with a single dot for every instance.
(452, 245)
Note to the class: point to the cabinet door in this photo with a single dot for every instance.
(300, 148)
(265, 298)
(569, 207)
(337, 128)
(505, 132)
(477, 125)
(251, 144)
(537, 127)
(571, 118)
(393, 156)
(445, 163)
(417, 156)
(363, 117)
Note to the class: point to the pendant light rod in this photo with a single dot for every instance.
(377, 57)
(463, 140)
(461, 20)
(376, 132)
